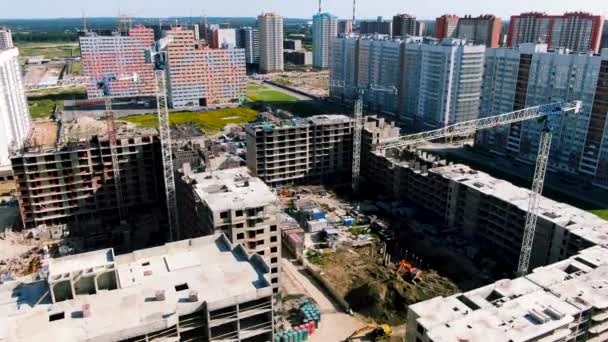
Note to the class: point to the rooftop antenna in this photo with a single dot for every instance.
(84, 21)
(319, 6)
(354, 7)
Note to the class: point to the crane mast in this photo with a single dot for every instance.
(111, 124)
(358, 128)
(547, 113)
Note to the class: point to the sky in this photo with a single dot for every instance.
(429, 9)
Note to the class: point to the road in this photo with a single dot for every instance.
(335, 324)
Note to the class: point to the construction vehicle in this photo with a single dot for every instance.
(409, 272)
(373, 332)
(546, 114)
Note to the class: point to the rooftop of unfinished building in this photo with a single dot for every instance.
(326, 119)
(190, 274)
(231, 189)
(575, 220)
(521, 308)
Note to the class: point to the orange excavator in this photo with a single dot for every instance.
(409, 272)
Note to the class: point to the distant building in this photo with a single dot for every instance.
(15, 122)
(531, 75)
(298, 57)
(404, 25)
(6, 38)
(204, 289)
(292, 44)
(604, 44)
(420, 28)
(119, 54)
(379, 26)
(345, 26)
(324, 30)
(577, 31)
(236, 204)
(446, 26)
(200, 76)
(248, 39)
(223, 38)
(482, 30)
(270, 26)
(318, 148)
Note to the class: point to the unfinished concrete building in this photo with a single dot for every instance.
(314, 149)
(203, 289)
(69, 177)
(565, 301)
(236, 204)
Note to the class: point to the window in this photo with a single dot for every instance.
(147, 263)
(56, 317)
(239, 225)
(224, 214)
(274, 270)
(273, 260)
(420, 329)
(261, 253)
(240, 236)
(273, 239)
(238, 213)
(274, 280)
(181, 287)
(273, 228)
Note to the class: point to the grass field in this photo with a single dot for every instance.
(603, 213)
(49, 50)
(42, 103)
(76, 69)
(210, 122)
(261, 93)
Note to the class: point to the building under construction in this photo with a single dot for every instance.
(121, 54)
(201, 77)
(68, 177)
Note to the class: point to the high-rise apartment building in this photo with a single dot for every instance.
(577, 31)
(324, 30)
(420, 28)
(6, 38)
(121, 54)
(318, 148)
(445, 26)
(292, 44)
(604, 44)
(378, 26)
(223, 38)
(199, 76)
(15, 123)
(248, 38)
(404, 25)
(345, 26)
(270, 26)
(234, 203)
(436, 84)
(530, 75)
(204, 289)
(481, 30)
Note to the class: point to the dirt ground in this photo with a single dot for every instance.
(377, 291)
(41, 73)
(18, 256)
(314, 83)
(44, 133)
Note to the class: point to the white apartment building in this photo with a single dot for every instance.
(15, 122)
(224, 38)
(270, 27)
(6, 38)
(324, 30)
(531, 75)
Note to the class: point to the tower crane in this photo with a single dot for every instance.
(104, 85)
(547, 114)
(358, 121)
(157, 56)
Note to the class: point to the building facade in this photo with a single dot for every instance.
(270, 26)
(446, 26)
(481, 30)
(437, 84)
(378, 26)
(202, 77)
(420, 28)
(204, 289)
(120, 54)
(6, 38)
(404, 25)
(248, 39)
(324, 30)
(345, 26)
(15, 122)
(223, 38)
(604, 44)
(315, 149)
(292, 44)
(298, 57)
(236, 204)
(530, 75)
(576, 31)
